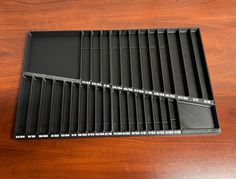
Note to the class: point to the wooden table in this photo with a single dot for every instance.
(120, 157)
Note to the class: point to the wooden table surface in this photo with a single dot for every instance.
(120, 157)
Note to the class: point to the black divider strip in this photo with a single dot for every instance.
(87, 108)
(154, 113)
(71, 124)
(51, 107)
(79, 108)
(163, 116)
(62, 108)
(121, 112)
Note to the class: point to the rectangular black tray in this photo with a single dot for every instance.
(115, 83)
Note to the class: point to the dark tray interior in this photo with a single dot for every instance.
(119, 82)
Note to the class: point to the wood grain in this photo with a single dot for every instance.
(120, 157)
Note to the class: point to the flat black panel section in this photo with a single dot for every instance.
(55, 53)
(115, 83)
(194, 116)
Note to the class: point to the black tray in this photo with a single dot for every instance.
(115, 83)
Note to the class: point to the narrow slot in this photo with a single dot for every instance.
(91, 109)
(167, 78)
(153, 60)
(99, 110)
(148, 113)
(66, 102)
(172, 82)
(135, 62)
(115, 111)
(105, 58)
(86, 56)
(91, 56)
(194, 63)
(23, 106)
(34, 105)
(201, 65)
(51, 108)
(40, 106)
(110, 57)
(156, 121)
(204, 64)
(160, 87)
(173, 114)
(140, 60)
(44, 109)
(120, 111)
(188, 64)
(124, 120)
(176, 63)
(96, 58)
(74, 103)
(132, 112)
(183, 67)
(62, 107)
(107, 109)
(145, 60)
(29, 108)
(81, 53)
(115, 59)
(56, 107)
(82, 108)
(159, 111)
(129, 67)
(140, 112)
(120, 56)
(164, 114)
(101, 56)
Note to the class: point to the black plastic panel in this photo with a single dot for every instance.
(119, 82)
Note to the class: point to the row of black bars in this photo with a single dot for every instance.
(165, 60)
(60, 107)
